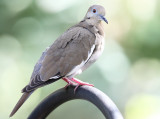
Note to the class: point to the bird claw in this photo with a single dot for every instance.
(67, 85)
(76, 88)
(74, 81)
(68, 82)
(80, 83)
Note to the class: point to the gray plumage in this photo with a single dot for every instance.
(73, 52)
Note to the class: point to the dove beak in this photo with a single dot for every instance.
(104, 19)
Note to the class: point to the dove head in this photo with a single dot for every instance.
(96, 14)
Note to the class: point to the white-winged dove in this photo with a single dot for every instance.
(73, 52)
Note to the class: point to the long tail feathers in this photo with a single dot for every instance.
(23, 98)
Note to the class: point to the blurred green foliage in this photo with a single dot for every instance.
(128, 71)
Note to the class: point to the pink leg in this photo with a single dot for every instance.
(68, 82)
(80, 83)
(76, 81)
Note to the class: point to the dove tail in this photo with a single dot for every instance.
(23, 98)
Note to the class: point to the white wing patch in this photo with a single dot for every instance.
(77, 69)
(55, 77)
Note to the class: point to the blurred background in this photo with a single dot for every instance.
(128, 71)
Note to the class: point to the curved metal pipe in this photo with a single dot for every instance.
(91, 94)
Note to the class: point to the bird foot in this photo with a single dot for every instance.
(68, 82)
(75, 82)
(80, 83)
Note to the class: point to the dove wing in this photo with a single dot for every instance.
(63, 58)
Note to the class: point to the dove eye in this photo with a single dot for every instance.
(94, 10)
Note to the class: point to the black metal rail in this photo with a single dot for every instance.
(91, 94)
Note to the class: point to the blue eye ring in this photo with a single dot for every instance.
(94, 10)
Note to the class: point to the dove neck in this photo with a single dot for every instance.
(94, 27)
